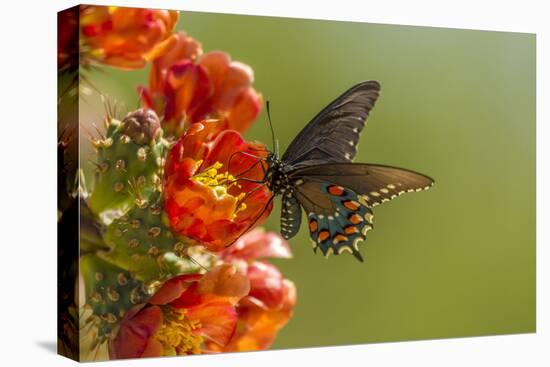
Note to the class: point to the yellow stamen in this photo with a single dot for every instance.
(220, 182)
(211, 177)
(177, 333)
(242, 206)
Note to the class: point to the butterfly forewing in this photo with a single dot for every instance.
(333, 134)
(373, 183)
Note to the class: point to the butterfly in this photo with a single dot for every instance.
(316, 173)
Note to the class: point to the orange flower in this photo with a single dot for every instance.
(186, 91)
(124, 37)
(180, 47)
(269, 304)
(187, 312)
(233, 97)
(212, 191)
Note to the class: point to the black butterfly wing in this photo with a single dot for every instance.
(333, 134)
(374, 183)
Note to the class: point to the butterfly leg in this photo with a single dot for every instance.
(248, 194)
(243, 153)
(252, 167)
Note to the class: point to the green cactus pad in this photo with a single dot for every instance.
(142, 243)
(129, 163)
(110, 291)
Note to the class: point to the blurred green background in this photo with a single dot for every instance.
(458, 105)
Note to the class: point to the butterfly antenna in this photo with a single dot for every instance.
(274, 143)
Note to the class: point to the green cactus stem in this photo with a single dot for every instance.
(129, 163)
(109, 292)
(142, 242)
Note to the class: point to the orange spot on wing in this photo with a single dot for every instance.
(351, 205)
(323, 235)
(336, 190)
(355, 218)
(340, 238)
(350, 230)
(313, 225)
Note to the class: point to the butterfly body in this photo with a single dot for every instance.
(277, 178)
(316, 173)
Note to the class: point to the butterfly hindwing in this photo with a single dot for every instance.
(291, 216)
(332, 135)
(337, 217)
(374, 183)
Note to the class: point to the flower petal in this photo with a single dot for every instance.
(245, 109)
(237, 79)
(124, 37)
(266, 284)
(258, 244)
(152, 349)
(175, 49)
(221, 283)
(216, 64)
(224, 281)
(190, 298)
(187, 87)
(173, 288)
(258, 327)
(218, 321)
(136, 329)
